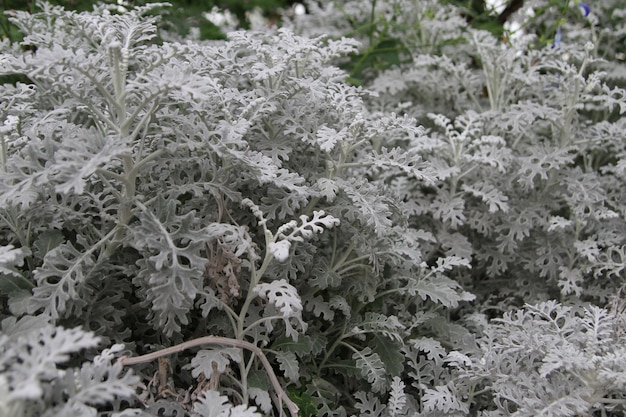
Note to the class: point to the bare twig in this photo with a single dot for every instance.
(224, 341)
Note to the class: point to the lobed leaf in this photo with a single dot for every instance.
(371, 368)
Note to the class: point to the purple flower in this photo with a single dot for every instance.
(584, 8)
(557, 38)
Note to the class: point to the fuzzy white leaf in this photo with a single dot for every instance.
(104, 380)
(32, 358)
(308, 227)
(208, 361)
(397, 398)
(368, 405)
(261, 398)
(496, 200)
(288, 363)
(211, 404)
(441, 399)
(328, 137)
(433, 349)
(372, 368)
(280, 250)
(282, 295)
(60, 280)
(328, 189)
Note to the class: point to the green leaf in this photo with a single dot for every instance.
(304, 401)
(377, 323)
(10, 284)
(320, 308)
(439, 289)
(389, 352)
(11, 279)
(323, 276)
(286, 344)
(288, 363)
(47, 241)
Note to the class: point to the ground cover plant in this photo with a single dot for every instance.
(374, 210)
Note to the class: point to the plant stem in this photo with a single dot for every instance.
(334, 346)
(223, 341)
(254, 280)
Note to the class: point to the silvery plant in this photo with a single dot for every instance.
(374, 210)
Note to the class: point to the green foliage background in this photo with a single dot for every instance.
(183, 15)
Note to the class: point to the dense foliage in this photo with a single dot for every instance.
(375, 210)
(183, 17)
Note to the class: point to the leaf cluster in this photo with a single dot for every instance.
(263, 237)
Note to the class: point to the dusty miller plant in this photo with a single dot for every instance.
(527, 137)
(160, 195)
(252, 234)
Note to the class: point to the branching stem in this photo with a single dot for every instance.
(223, 341)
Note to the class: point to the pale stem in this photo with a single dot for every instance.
(259, 322)
(334, 345)
(224, 341)
(254, 280)
(3, 153)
